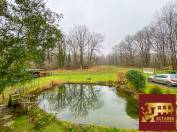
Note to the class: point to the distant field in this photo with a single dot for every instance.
(94, 74)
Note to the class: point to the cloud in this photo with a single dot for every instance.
(113, 18)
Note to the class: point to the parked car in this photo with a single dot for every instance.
(167, 79)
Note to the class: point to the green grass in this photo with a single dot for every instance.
(22, 125)
(93, 75)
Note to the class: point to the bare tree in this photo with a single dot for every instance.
(144, 43)
(169, 18)
(160, 43)
(130, 48)
(116, 55)
(80, 35)
(94, 45)
(73, 48)
(154, 45)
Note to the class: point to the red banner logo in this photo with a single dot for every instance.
(157, 112)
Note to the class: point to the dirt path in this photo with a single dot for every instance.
(6, 118)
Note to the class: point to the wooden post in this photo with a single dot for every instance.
(3, 97)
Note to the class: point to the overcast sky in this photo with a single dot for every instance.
(113, 18)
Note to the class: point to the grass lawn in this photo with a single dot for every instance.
(93, 75)
(22, 124)
(96, 74)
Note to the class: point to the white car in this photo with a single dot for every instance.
(167, 79)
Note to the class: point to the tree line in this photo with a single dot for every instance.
(30, 37)
(153, 46)
(77, 49)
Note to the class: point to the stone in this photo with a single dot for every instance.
(8, 124)
(7, 117)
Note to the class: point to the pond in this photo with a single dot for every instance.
(90, 104)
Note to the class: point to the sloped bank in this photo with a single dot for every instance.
(41, 120)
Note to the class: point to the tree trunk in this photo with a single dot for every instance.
(75, 60)
(81, 58)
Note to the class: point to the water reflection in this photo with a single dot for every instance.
(132, 108)
(131, 105)
(90, 104)
(78, 98)
(83, 98)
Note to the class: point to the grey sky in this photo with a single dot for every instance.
(113, 18)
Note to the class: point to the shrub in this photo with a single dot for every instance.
(42, 122)
(136, 79)
(172, 72)
(39, 119)
(155, 90)
(120, 76)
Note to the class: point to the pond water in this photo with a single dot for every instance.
(90, 104)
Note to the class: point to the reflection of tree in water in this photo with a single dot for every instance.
(56, 99)
(131, 105)
(61, 98)
(132, 108)
(77, 97)
(84, 98)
